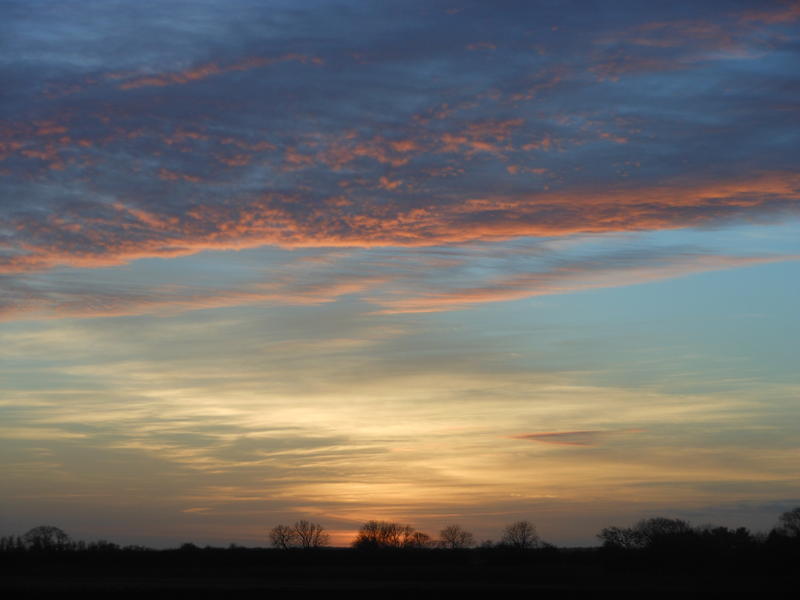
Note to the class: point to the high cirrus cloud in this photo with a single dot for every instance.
(390, 281)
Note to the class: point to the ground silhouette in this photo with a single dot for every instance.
(658, 557)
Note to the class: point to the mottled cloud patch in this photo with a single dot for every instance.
(676, 44)
(96, 234)
(278, 135)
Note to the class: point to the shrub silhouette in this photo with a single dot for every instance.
(46, 537)
(626, 538)
(789, 523)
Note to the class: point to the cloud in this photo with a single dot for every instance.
(22, 299)
(389, 280)
(676, 44)
(521, 143)
(574, 438)
(786, 11)
(101, 235)
(568, 278)
(204, 71)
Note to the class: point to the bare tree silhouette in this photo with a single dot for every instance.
(283, 537)
(419, 540)
(310, 535)
(303, 534)
(455, 536)
(521, 535)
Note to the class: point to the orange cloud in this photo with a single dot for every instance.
(480, 136)
(126, 232)
(211, 69)
(388, 184)
(235, 160)
(790, 11)
(695, 40)
(168, 175)
(394, 153)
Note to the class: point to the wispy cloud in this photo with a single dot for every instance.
(570, 278)
(388, 281)
(574, 438)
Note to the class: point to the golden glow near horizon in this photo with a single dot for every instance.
(226, 436)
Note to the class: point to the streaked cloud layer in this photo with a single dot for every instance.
(229, 231)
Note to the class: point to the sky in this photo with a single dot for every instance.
(424, 261)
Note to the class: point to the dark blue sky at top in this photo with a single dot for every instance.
(596, 94)
(154, 128)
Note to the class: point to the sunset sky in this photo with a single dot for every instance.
(426, 261)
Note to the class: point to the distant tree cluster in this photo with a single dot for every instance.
(663, 534)
(47, 539)
(653, 534)
(653, 558)
(44, 538)
(385, 534)
(645, 533)
(376, 535)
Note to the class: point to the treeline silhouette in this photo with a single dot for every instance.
(651, 555)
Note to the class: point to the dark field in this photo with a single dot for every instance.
(542, 573)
